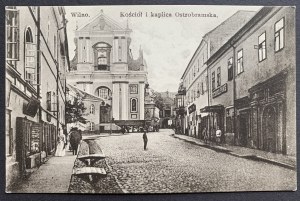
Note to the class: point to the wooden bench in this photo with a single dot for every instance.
(89, 171)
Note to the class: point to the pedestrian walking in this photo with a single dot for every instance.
(145, 138)
(61, 140)
(218, 135)
(205, 135)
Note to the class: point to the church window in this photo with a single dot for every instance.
(103, 92)
(102, 56)
(133, 105)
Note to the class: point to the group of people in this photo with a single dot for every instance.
(219, 136)
(67, 141)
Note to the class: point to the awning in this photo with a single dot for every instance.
(212, 108)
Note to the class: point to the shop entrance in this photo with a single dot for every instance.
(269, 131)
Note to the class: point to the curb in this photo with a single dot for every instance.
(227, 151)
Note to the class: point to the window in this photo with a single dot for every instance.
(279, 35)
(230, 69)
(213, 81)
(92, 109)
(92, 126)
(133, 105)
(240, 66)
(102, 56)
(103, 92)
(30, 50)
(198, 66)
(219, 77)
(202, 88)
(262, 47)
(12, 34)
(179, 102)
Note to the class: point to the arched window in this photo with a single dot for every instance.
(133, 105)
(102, 56)
(103, 92)
(92, 109)
(30, 51)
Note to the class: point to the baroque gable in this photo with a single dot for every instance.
(102, 23)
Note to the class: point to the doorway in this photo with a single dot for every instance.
(269, 129)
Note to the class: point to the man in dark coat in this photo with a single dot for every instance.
(75, 138)
(145, 138)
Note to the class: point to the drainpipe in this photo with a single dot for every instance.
(38, 58)
(234, 91)
(207, 84)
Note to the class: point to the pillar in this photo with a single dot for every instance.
(115, 49)
(142, 100)
(124, 105)
(115, 101)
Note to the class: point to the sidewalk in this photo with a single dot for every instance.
(52, 177)
(243, 152)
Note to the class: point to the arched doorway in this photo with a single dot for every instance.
(269, 129)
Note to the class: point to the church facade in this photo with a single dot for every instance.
(103, 66)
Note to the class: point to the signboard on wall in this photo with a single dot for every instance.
(222, 89)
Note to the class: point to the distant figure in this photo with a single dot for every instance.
(205, 135)
(123, 130)
(145, 138)
(75, 138)
(218, 135)
(61, 140)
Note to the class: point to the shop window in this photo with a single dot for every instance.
(279, 34)
(133, 105)
(213, 80)
(102, 56)
(12, 34)
(103, 92)
(230, 69)
(218, 76)
(92, 109)
(262, 47)
(240, 62)
(30, 52)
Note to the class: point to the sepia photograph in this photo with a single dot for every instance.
(150, 99)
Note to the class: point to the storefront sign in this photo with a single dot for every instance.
(219, 91)
(192, 108)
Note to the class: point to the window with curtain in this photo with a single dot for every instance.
(279, 34)
(262, 47)
(240, 62)
(92, 109)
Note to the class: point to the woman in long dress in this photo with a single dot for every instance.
(60, 148)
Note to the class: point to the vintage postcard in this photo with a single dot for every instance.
(150, 99)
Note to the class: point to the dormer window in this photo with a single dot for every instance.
(102, 56)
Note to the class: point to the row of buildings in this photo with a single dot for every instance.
(36, 60)
(41, 79)
(242, 79)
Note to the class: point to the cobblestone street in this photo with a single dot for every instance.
(173, 165)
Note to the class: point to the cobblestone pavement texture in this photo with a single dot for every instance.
(171, 165)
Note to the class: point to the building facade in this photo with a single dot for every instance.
(104, 67)
(193, 93)
(257, 90)
(251, 85)
(36, 61)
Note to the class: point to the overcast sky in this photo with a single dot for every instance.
(168, 42)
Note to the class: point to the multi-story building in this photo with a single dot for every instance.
(36, 61)
(104, 67)
(253, 83)
(193, 91)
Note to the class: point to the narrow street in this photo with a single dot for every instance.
(173, 165)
